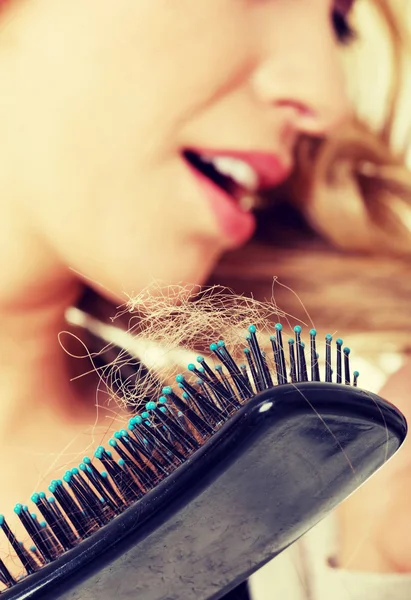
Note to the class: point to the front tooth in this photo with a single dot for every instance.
(238, 170)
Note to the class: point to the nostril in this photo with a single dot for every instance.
(300, 108)
(300, 118)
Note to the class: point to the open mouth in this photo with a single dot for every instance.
(234, 177)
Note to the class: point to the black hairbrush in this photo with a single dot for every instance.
(207, 486)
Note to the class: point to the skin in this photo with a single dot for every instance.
(104, 189)
(98, 99)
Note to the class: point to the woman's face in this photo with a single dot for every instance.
(101, 99)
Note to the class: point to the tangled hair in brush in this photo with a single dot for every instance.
(194, 317)
(167, 326)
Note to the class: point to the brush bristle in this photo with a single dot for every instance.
(159, 440)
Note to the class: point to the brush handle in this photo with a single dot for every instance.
(275, 469)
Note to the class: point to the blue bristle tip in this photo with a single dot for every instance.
(151, 405)
(180, 378)
(191, 367)
(278, 327)
(200, 359)
(297, 329)
(339, 342)
(213, 347)
(313, 332)
(252, 329)
(167, 390)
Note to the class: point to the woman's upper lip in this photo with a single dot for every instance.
(270, 169)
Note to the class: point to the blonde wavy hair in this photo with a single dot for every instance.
(340, 230)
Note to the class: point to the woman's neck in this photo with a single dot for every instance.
(48, 421)
(34, 371)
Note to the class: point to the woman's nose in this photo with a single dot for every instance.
(302, 78)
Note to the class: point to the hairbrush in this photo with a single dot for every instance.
(210, 482)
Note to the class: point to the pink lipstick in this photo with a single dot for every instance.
(230, 180)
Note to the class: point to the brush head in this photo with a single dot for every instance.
(206, 486)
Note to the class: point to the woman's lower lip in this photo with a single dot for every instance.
(235, 224)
